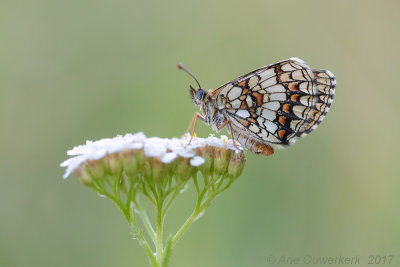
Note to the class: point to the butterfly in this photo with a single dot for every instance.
(270, 107)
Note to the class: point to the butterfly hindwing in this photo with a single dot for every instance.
(278, 103)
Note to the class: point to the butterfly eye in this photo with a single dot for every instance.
(200, 94)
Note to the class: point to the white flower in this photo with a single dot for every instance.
(197, 161)
(166, 149)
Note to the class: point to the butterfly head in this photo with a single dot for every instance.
(196, 94)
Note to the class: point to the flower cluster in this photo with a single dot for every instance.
(133, 169)
(134, 153)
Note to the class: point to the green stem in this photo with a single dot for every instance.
(129, 214)
(225, 187)
(147, 223)
(160, 221)
(189, 220)
(130, 196)
(116, 202)
(200, 207)
(196, 184)
(161, 195)
(154, 191)
(172, 198)
(117, 186)
(148, 196)
(167, 253)
(136, 233)
(206, 203)
(184, 227)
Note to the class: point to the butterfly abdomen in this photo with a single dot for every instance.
(252, 144)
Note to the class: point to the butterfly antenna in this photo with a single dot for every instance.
(181, 67)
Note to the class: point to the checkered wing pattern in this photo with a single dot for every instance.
(279, 103)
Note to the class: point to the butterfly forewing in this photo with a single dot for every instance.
(278, 103)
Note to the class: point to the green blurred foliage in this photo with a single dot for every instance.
(77, 70)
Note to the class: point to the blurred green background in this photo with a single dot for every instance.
(77, 70)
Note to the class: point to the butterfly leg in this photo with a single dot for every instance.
(193, 124)
(196, 115)
(190, 125)
(230, 127)
(223, 124)
(233, 137)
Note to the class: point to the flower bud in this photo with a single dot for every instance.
(97, 168)
(158, 169)
(114, 164)
(236, 165)
(221, 160)
(207, 153)
(132, 162)
(83, 175)
(183, 168)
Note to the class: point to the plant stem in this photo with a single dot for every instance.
(172, 198)
(200, 207)
(146, 222)
(189, 220)
(160, 221)
(184, 227)
(147, 249)
(136, 233)
(160, 253)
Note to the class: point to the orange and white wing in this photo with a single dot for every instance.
(278, 103)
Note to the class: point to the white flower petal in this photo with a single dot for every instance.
(154, 149)
(197, 161)
(169, 157)
(73, 163)
(185, 153)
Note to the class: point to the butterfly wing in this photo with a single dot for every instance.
(278, 103)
